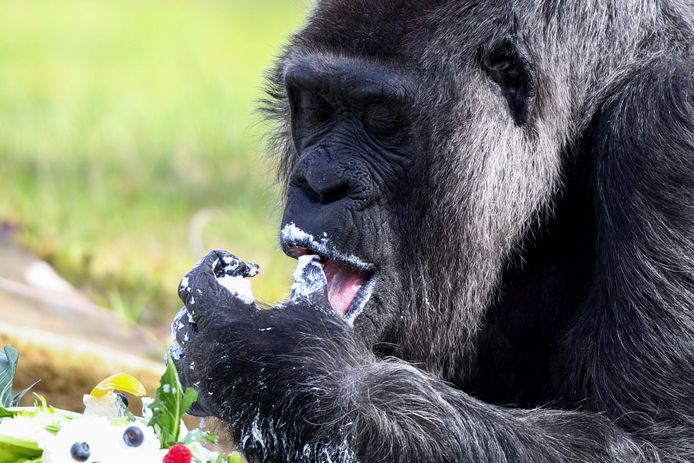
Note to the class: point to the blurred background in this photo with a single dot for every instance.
(128, 147)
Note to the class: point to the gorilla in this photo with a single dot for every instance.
(492, 207)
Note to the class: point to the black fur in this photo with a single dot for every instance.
(518, 177)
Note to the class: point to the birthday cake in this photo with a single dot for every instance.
(106, 432)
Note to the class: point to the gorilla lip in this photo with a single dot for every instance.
(344, 282)
(349, 280)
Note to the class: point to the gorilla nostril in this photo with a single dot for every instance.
(323, 187)
(302, 184)
(334, 192)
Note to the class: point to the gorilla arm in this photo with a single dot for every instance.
(633, 342)
(296, 385)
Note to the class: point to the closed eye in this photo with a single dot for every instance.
(314, 106)
(383, 119)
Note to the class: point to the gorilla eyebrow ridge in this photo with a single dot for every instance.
(351, 79)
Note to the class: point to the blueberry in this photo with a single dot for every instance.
(133, 436)
(80, 451)
(123, 399)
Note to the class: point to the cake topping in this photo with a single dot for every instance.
(178, 453)
(80, 451)
(133, 436)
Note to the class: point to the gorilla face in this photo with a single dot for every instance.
(393, 157)
(351, 125)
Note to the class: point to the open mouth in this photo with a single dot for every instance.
(349, 280)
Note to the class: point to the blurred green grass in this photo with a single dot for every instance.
(120, 121)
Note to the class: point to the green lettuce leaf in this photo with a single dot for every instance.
(5, 413)
(170, 403)
(13, 450)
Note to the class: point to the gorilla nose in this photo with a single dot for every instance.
(324, 185)
(328, 188)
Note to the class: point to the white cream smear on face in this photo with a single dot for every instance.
(293, 234)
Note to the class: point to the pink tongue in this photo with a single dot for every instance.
(344, 283)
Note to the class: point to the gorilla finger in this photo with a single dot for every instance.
(231, 265)
(215, 278)
(232, 273)
(221, 262)
(309, 281)
(202, 271)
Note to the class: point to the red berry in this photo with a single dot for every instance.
(178, 453)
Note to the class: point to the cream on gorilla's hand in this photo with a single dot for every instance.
(232, 273)
(309, 278)
(239, 287)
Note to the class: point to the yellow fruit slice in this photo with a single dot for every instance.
(119, 382)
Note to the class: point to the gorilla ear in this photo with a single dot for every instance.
(510, 69)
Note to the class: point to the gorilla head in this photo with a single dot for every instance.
(428, 139)
(500, 195)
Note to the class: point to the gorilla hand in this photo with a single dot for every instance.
(216, 290)
(250, 365)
